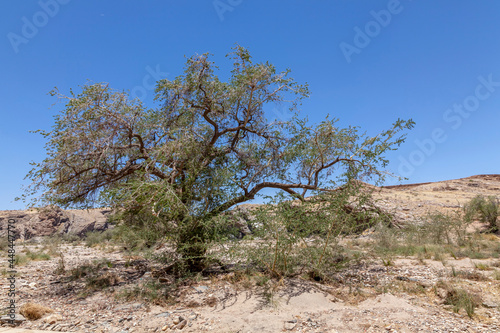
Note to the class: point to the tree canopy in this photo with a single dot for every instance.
(206, 147)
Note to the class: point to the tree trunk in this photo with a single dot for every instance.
(192, 247)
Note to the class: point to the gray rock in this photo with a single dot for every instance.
(200, 289)
(490, 305)
(17, 320)
(289, 325)
(242, 219)
(182, 324)
(52, 220)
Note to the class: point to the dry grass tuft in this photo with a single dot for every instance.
(33, 311)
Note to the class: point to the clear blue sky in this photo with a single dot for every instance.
(367, 63)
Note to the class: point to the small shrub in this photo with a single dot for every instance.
(444, 229)
(20, 259)
(482, 267)
(462, 299)
(94, 279)
(81, 271)
(70, 238)
(387, 262)
(33, 311)
(52, 244)
(37, 256)
(102, 281)
(98, 237)
(487, 209)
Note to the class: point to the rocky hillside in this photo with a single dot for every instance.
(412, 201)
(53, 220)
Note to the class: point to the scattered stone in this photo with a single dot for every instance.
(442, 293)
(52, 319)
(490, 305)
(200, 289)
(182, 324)
(193, 304)
(163, 314)
(211, 301)
(290, 325)
(17, 320)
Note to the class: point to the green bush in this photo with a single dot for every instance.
(37, 256)
(296, 237)
(20, 259)
(436, 235)
(136, 237)
(94, 238)
(462, 299)
(486, 209)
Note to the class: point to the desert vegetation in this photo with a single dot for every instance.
(177, 176)
(172, 171)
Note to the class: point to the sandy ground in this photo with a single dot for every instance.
(372, 298)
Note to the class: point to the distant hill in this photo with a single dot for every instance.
(407, 202)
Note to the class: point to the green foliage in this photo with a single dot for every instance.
(98, 237)
(462, 299)
(140, 231)
(20, 259)
(486, 209)
(207, 147)
(294, 237)
(436, 237)
(37, 256)
(90, 271)
(444, 229)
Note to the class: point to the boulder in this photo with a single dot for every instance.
(17, 320)
(241, 219)
(52, 220)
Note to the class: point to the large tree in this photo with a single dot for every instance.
(205, 148)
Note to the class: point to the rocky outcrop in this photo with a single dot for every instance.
(52, 220)
(242, 219)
